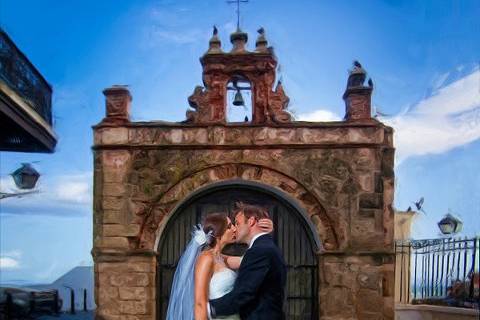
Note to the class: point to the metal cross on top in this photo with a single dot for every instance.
(238, 10)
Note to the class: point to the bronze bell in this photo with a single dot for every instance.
(238, 101)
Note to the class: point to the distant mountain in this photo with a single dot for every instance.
(79, 278)
(16, 283)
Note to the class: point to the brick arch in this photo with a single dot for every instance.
(163, 207)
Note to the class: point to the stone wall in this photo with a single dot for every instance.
(341, 173)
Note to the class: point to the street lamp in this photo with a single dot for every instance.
(450, 225)
(25, 178)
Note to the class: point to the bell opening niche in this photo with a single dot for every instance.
(239, 100)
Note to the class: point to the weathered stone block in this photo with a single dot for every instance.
(366, 182)
(112, 216)
(367, 213)
(107, 312)
(114, 135)
(112, 203)
(371, 201)
(388, 158)
(126, 267)
(113, 189)
(120, 230)
(133, 293)
(114, 242)
(370, 316)
(368, 300)
(369, 280)
(378, 182)
(135, 307)
(337, 302)
(106, 292)
(130, 280)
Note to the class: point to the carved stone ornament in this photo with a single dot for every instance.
(209, 103)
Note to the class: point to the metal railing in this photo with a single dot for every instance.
(21, 76)
(438, 271)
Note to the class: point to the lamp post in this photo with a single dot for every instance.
(450, 225)
(25, 178)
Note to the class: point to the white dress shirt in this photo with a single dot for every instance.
(255, 237)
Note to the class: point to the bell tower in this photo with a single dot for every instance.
(239, 70)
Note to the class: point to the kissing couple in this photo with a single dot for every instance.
(210, 285)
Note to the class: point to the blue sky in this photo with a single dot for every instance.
(423, 57)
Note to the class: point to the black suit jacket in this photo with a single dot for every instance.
(258, 292)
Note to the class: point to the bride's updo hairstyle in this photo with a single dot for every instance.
(215, 224)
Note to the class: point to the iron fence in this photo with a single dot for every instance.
(438, 271)
(21, 76)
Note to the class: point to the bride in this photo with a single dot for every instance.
(203, 272)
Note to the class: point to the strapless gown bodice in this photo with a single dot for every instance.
(222, 282)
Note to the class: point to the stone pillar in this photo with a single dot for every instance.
(358, 103)
(357, 97)
(117, 104)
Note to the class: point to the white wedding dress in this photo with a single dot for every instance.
(222, 283)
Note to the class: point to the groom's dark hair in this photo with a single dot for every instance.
(250, 210)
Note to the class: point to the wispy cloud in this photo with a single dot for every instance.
(448, 118)
(183, 37)
(172, 24)
(460, 95)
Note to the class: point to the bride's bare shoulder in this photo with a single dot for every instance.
(205, 258)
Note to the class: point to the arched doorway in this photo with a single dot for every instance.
(292, 234)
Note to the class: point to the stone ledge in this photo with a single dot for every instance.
(439, 309)
(242, 136)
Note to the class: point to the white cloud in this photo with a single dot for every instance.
(10, 260)
(7, 184)
(320, 115)
(74, 188)
(64, 194)
(449, 118)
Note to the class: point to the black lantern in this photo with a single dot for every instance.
(450, 225)
(25, 177)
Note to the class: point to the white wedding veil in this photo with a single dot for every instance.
(181, 303)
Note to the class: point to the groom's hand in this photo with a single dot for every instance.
(266, 225)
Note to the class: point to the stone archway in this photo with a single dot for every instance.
(156, 212)
(294, 235)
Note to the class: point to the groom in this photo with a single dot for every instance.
(259, 289)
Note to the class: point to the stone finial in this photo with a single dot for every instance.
(239, 40)
(357, 96)
(117, 103)
(214, 45)
(357, 75)
(261, 43)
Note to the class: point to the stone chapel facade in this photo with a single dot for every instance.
(329, 187)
